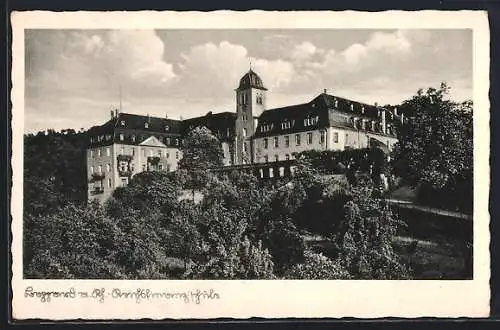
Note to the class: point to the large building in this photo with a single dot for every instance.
(128, 144)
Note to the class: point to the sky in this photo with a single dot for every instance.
(73, 77)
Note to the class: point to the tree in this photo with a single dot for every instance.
(365, 236)
(201, 151)
(435, 149)
(149, 191)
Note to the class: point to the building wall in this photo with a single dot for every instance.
(335, 139)
(105, 161)
(169, 160)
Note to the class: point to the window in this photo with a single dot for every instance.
(122, 137)
(160, 167)
(98, 152)
(245, 147)
(122, 151)
(287, 141)
(309, 138)
(259, 98)
(122, 122)
(287, 157)
(109, 183)
(167, 128)
(297, 139)
(266, 127)
(271, 173)
(286, 124)
(91, 169)
(108, 137)
(124, 182)
(276, 141)
(159, 153)
(176, 142)
(91, 153)
(266, 143)
(167, 140)
(261, 173)
(352, 107)
(100, 169)
(150, 153)
(346, 138)
(146, 125)
(108, 168)
(309, 121)
(167, 155)
(282, 171)
(133, 138)
(92, 139)
(322, 137)
(176, 155)
(336, 137)
(143, 167)
(244, 132)
(143, 152)
(276, 158)
(132, 151)
(362, 109)
(108, 151)
(266, 159)
(336, 104)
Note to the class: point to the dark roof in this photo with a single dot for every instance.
(251, 80)
(219, 123)
(323, 109)
(154, 124)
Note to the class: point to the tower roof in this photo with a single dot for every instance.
(251, 80)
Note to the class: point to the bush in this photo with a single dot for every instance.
(317, 267)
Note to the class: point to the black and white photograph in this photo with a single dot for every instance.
(322, 155)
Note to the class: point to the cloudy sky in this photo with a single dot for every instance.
(73, 77)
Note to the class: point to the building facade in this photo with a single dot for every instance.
(128, 144)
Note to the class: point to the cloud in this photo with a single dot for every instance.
(304, 51)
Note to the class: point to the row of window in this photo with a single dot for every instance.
(134, 138)
(159, 153)
(309, 139)
(123, 168)
(281, 171)
(146, 125)
(277, 158)
(288, 124)
(243, 98)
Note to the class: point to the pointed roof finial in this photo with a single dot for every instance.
(250, 63)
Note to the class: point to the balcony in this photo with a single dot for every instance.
(125, 173)
(124, 158)
(97, 191)
(97, 177)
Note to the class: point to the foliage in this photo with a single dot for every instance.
(54, 170)
(365, 237)
(435, 148)
(148, 190)
(317, 267)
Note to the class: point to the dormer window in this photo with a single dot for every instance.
(146, 125)
(336, 103)
(133, 138)
(167, 128)
(310, 121)
(287, 124)
(266, 127)
(122, 122)
(122, 137)
(363, 109)
(352, 107)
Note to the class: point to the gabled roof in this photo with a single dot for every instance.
(152, 142)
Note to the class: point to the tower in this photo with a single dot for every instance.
(250, 103)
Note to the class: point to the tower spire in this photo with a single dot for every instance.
(250, 63)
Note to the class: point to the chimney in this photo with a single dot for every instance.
(402, 118)
(149, 118)
(324, 91)
(112, 114)
(373, 125)
(396, 111)
(116, 113)
(166, 116)
(384, 128)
